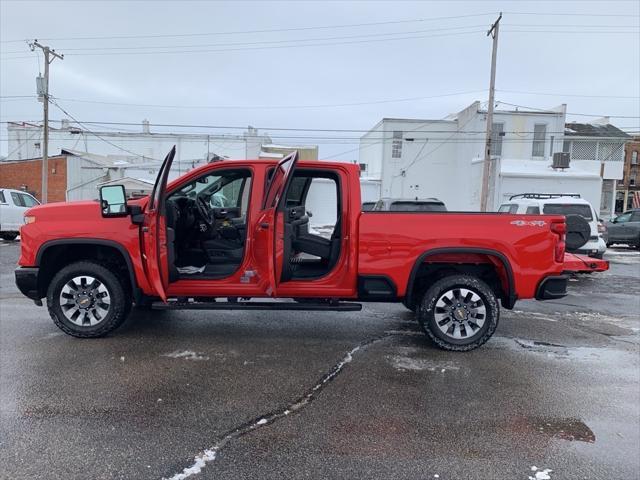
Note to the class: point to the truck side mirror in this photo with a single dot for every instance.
(113, 201)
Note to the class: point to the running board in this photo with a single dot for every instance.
(327, 307)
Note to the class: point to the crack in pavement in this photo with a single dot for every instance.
(209, 455)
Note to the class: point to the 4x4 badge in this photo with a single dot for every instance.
(529, 223)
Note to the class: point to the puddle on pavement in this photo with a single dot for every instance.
(570, 429)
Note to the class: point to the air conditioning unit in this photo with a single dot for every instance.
(561, 160)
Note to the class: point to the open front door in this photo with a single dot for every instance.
(264, 245)
(154, 231)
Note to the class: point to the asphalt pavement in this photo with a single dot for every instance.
(272, 395)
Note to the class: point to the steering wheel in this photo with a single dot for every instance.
(203, 210)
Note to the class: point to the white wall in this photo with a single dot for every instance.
(152, 146)
(427, 158)
(446, 166)
(372, 149)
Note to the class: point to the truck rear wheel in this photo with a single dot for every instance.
(459, 312)
(87, 300)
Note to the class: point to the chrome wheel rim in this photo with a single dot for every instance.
(85, 301)
(460, 313)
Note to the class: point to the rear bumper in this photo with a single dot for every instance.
(27, 282)
(574, 263)
(552, 287)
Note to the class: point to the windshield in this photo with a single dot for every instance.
(568, 209)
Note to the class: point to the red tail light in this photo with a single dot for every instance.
(602, 228)
(560, 229)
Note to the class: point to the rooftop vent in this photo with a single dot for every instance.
(561, 160)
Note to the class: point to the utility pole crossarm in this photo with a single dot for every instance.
(486, 167)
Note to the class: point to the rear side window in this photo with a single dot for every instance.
(508, 208)
(368, 206)
(568, 209)
(2, 200)
(17, 200)
(417, 207)
(533, 210)
(28, 200)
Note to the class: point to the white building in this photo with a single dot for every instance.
(598, 146)
(25, 142)
(444, 158)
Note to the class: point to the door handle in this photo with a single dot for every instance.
(145, 229)
(264, 225)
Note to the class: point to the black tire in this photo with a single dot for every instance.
(119, 305)
(10, 236)
(578, 232)
(435, 293)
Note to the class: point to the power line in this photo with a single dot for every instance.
(570, 113)
(298, 129)
(263, 42)
(273, 30)
(95, 134)
(573, 14)
(285, 41)
(264, 107)
(565, 94)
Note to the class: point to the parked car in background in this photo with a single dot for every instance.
(13, 204)
(409, 205)
(625, 228)
(584, 237)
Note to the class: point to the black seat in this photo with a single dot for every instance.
(313, 245)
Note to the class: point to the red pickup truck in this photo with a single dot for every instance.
(230, 233)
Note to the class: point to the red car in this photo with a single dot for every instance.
(228, 233)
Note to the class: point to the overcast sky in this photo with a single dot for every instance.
(312, 55)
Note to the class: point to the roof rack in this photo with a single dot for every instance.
(544, 195)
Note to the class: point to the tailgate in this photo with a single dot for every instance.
(575, 263)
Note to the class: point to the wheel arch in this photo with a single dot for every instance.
(89, 249)
(508, 295)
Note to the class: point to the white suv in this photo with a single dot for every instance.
(13, 204)
(560, 204)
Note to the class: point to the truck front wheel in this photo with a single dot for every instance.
(459, 312)
(87, 300)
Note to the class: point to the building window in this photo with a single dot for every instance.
(634, 157)
(539, 134)
(396, 145)
(566, 147)
(497, 132)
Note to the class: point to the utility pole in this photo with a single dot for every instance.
(486, 170)
(49, 56)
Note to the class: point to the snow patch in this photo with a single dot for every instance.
(419, 364)
(540, 474)
(187, 355)
(198, 465)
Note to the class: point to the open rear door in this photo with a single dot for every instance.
(264, 244)
(154, 231)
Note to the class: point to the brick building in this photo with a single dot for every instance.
(26, 175)
(631, 180)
